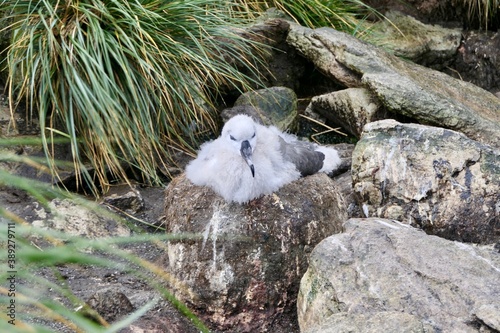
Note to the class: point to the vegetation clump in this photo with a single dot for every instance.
(127, 82)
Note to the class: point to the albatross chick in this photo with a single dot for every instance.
(249, 160)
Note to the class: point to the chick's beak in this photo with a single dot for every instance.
(246, 153)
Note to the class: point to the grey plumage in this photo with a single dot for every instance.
(249, 160)
(303, 155)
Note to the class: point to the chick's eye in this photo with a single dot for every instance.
(253, 136)
(232, 138)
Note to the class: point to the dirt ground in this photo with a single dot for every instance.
(112, 292)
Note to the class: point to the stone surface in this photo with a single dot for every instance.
(324, 49)
(350, 108)
(468, 14)
(387, 322)
(420, 93)
(75, 219)
(249, 110)
(385, 276)
(243, 272)
(425, 10)
(344, 184)
(421, 43)
(124, 198)
(345, 153)
(273, 106)
(433, 178)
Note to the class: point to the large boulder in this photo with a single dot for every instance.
(417, 92)
(425, 44)
(72, 218)
(432, 178)
(242, 273)
(385, 276)
(350, 108)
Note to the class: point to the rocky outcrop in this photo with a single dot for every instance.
(385, 276)
(124, 198)
(73, 218)
(272, 106)
(350, 108)
(424, 44)
(432, 178)
(471, 15)
(422, 94)
(243, 273)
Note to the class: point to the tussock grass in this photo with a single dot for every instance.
(482, 12)
(126, 82)
(348, 16)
